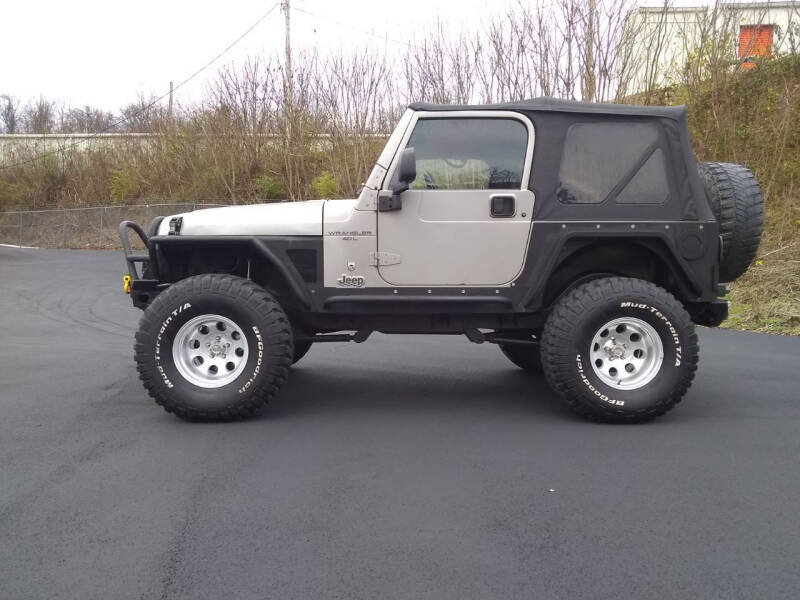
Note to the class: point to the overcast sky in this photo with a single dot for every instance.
(103, 53)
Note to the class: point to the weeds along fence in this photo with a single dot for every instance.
(92, 227)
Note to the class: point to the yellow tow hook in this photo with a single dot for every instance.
(126, 284)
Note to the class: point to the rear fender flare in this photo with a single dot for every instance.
(569, 246)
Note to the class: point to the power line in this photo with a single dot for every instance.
(350, 27)
(154, 102)
(405, 43)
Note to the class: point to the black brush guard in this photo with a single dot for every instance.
(142, 289)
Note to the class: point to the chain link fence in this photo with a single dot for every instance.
(94, 227)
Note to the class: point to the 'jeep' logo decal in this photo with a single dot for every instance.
(351, 280)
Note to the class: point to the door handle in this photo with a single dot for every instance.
(502, 205)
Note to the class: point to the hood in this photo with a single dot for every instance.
(277, 218)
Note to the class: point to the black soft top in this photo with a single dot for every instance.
(590, 160)
(545, 104)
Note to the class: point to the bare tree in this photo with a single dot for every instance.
(145, 115)
(86, 120)
(40, 116)
(9, 113)
(355, 100)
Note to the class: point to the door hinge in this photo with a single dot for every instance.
(384, 259)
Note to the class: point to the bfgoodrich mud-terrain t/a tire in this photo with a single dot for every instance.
(619, 350)
(213, 348)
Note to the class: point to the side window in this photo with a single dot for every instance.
(599, 157)
(469, 153)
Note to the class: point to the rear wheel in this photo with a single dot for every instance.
(619, 350)
(213, 348)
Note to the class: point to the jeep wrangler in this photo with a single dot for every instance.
(583, 239)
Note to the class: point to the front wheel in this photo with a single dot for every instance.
(619, 350)
(213, 348)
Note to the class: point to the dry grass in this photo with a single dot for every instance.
(767, 297)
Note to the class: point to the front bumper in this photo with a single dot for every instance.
(142, 289)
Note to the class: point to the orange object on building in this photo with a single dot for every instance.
(754, 40)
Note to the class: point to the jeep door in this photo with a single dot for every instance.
(466, 219)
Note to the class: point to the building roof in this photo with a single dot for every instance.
(723, 6)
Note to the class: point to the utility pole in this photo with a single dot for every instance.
(288, 99)
(169, 104)
(286, 8)
(589, 82)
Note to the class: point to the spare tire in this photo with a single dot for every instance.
(739, 209)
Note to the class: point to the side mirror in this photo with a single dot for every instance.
(389, 200)
(406, 170)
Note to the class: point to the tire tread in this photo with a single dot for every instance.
(739, 209)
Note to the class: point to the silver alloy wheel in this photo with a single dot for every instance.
(626, 353)
(210, 351)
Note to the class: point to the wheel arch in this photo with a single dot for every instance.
(249, 257)
(585, 259)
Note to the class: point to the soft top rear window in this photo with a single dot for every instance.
(600, 157)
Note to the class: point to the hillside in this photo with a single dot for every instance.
(753, 118)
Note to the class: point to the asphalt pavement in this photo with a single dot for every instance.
(408, 467)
